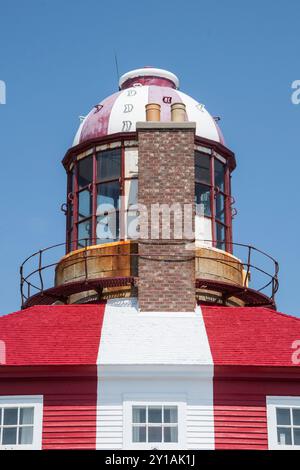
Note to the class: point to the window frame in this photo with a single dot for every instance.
(214, 191)
(129, 403)
(73, 198)
(25, 401)
(272, 403)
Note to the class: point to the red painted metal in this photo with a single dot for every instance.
(148, 80)
(77, 149)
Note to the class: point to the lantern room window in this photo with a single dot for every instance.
(94, 190)
(212, 196)
(97, 214)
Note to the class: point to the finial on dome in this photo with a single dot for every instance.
(148, 76)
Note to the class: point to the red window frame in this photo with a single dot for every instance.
(214, 191)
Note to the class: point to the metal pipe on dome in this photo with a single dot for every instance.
(178, 112)
(153, 112)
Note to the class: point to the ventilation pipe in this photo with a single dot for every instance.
(178, 112)
(152, 112)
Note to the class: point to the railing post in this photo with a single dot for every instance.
(248, 266)
(85, 260)
(40, 270)
(21, 286)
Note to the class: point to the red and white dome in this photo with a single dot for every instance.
(121, 111)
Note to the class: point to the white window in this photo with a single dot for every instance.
(153, 424)
(283, 414)
(21, 422)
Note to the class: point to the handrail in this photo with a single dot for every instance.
(35, 277)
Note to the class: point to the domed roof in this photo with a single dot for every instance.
(121, 111)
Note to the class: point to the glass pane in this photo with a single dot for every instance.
(139, 414)
(284, 436)
(283, 416)
(26, 435)
(220, 236)
(202, 168)
(108, 196)
(84, 231)
(26, 416)
(202, 197)
(109, 164)
(171, 434)
(296, 437)
(9, 436)
(108, 228)
(1, 416)
(85, 172)
(84, 204)
(155, 414)
(296, 416)
(170, 414)
(10, 416)
(219, 175)
(154, 434)
(220, 207)
(139, 434)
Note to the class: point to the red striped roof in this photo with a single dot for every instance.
(251, 336)
(56, 334)
(70, 335)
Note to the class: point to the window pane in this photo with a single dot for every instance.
(296, 417)
(85, 172)
(171, 434)
(1, 413)
(220, 236)
(84, 204)
(155, 414)
(154, 434)
(219, 175)
(139, 434)
(108, 228)
(108, 195)
(109, 164)
(139, 414)
(10, 416)
(283, 416)
(202, 196)
(296, 436)
(202, 168)
(220, 207)
(170, 414)
(9, 436)
(26, 435)
(84, 232)
(26, 416)
(284, 436)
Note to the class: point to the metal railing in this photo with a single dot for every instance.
(37, 272)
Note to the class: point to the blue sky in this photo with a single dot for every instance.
(239, 58)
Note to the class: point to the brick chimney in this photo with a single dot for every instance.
(166, 176)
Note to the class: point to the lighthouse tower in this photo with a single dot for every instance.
(150, 326)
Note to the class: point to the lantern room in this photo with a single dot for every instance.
(147, 145)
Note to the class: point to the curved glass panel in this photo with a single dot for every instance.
(84, 204)
(109, 164)
(85, 172)
(202, 199)
(202, 168)
(219, 175)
